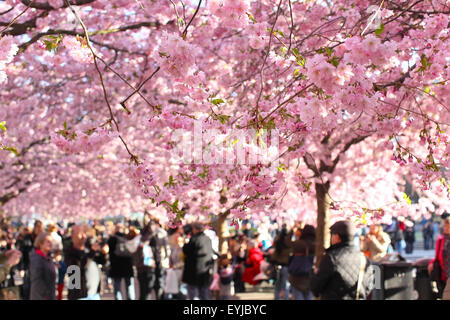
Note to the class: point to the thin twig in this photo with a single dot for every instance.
(15, 19)
(133, 157)
(261, 73)
(138, 88)
(195, 13)
(292, 27)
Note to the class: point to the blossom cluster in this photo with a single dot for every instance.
(77, 50)
(142, 176)
(80, 141)
(258, 35)
(8, 49)
(232, 13)
(325, 75)
(176, 56)
(362, 51)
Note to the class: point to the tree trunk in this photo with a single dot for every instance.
(222, 232)
(323, 220)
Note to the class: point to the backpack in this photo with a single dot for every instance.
(300, 265)
(121, 249)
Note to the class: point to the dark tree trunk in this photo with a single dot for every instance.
(323, 220)
(221, 231)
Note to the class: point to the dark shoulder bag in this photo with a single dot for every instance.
(300, 265)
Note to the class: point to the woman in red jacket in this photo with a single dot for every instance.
(443, 257)
(252, 266)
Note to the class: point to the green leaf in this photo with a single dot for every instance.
(52, 42)
(223, 118)
(3, 125)
(301, 61)
(281, 33)
(427, 89)
(175, 206)
(296, 52)
(251, 18)
(425, 61)
(335, 61)
(217, 101)
(65, 125)
(379, 30)
(328, 51)
(170, 183)
(12, 149)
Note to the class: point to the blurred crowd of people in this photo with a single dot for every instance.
(54, 261)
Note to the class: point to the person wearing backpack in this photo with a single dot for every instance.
(121, 264)
(199, 263)
(280, 258)
(301, 264)
(343, 270)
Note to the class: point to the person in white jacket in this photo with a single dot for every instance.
(57, 245)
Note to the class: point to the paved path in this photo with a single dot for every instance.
(262, 292)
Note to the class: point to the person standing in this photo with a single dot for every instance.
(238, 248)
(303, 246)
(144, 260)
(375, 244)
(176, 241)
(57, 244)
(280, 258)
(339, 271)
(26, 247)
(427, 232)
(8, 259)
(410, 236)
(439, 267)
(225, 272)
(121, 264)
(253, 263)
(162, 257)
(399, 236)
(42, 269)
(79, 255)
(198, 265)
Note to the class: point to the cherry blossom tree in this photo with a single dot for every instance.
(355, 92)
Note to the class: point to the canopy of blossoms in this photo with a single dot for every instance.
(99, 99)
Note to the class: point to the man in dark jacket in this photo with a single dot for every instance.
(338, 273)
(84, 257)
(198, 264)
(121, 264)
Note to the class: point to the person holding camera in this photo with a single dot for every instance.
(8, 259)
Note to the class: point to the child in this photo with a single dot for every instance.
(226, 277)
(62, 269)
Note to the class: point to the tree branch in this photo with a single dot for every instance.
(47, 6)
